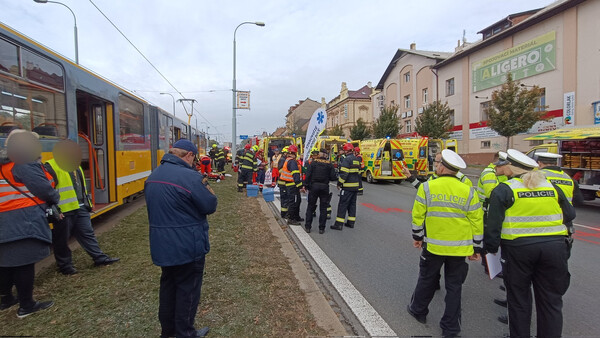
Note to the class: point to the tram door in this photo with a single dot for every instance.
(95, 144)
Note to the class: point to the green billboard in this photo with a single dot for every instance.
(527, 59)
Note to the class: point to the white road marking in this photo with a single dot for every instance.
(366, 314)
(587, 227)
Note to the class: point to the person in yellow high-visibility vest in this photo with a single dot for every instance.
(447, 224)
(75, 204)
(526, 219)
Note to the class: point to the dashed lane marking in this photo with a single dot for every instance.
(370, 319)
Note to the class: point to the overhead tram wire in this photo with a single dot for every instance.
(144, 56)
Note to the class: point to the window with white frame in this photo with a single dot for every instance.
(407, 127)
(407, 77)
(450, 87)
(486, 144)
(483, 110)
(407, 101)
(425, 95)
(452, 117)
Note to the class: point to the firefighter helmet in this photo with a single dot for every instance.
(293, 149)
(348, 147)
(247, 146)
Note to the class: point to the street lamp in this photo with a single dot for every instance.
(173, 101)
(75, 28)
(234, 91)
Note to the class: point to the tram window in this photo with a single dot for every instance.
(165, 138)
(98, 125)
(32, 107)
(131, 121)
(42, 70)
(9, 58)
(184, 131)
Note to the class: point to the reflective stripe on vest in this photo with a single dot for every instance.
(535, 212)
(10, 198)
(563, 181)
(68, 195)
(285, 174)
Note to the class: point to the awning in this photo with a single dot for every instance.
(568, 134)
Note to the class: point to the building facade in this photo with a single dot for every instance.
(298, 116)
(556, 48)
(345, 109)
(410, 83)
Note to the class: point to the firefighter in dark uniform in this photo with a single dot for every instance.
(290, 174)
(247, 167)
(281, 183)
(219, 159)
(362, 169)
(320, 172)
(526, 218)
(213, 156)
(348, 183)
(447, 223)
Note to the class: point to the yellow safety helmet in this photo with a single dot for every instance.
(285, 149)
(214, 145)
(255, 147)
(314, 150)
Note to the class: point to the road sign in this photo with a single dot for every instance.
(243, 137)
(243, 100)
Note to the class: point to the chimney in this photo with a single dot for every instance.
(413, 46)
(369, 84)
(458, 43)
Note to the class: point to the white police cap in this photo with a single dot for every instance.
(548, 155)
(520, 160)
(502, 159)
(452, 160)
(502, 155)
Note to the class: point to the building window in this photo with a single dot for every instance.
(486, 144)
(392, 102)
(425, 94)
(407, 127)
(407, 101)
(541, 101)
(452, 117)
(450, 87)
(483, 110)
(407, 77)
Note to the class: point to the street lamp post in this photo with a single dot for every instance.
(173, 101)
(75, 27)
(234, 92)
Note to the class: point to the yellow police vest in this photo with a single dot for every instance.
(448, 214)
(535, 212)
(68, 196)
(561, 180)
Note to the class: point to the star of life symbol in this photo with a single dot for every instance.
(320, 117)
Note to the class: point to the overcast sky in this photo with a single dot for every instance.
(306, 49)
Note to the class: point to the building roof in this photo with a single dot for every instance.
(292, 108)
(510, 17)
(279, 131)
(437, 56)
(362, 93)
(543, 14)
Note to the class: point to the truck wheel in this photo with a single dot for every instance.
(370, 177)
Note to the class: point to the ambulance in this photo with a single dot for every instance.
(332, 144)
(383, 159)
(416, 156)
(580, 148)
(269, 144)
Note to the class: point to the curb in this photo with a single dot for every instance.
(318, 304)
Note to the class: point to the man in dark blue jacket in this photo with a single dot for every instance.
(178, 201)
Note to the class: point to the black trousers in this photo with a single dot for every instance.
(293, 202)
(221, 166)
(244, 177)
(79, 224)
(545, 266)
(347, 203)
(318, 191)
(283, 199)
(22, 278)
(179, 296)
(455, 273)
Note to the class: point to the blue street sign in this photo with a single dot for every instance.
(243, 137)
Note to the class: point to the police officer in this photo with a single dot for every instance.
(320, 172)
(290, 175)
(348, 183)
(447, 223)
(490, 177)
(526, 218)
(281, 183)
(548, 163)
(247, 167)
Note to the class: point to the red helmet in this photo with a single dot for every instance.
(292, 149)
(356, 149)
(247, 146)
(348, 147)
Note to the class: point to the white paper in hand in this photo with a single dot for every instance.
(493, 263)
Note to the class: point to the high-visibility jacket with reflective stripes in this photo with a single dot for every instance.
(448, 217)
(248, 161)
(220, 155)
(10, 198)
(535, 212)
(290, 173)
(487, 182)
(349, 173)
(68, 195)
(561, 180)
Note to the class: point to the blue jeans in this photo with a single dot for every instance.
(179, 296)
(79, 224)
